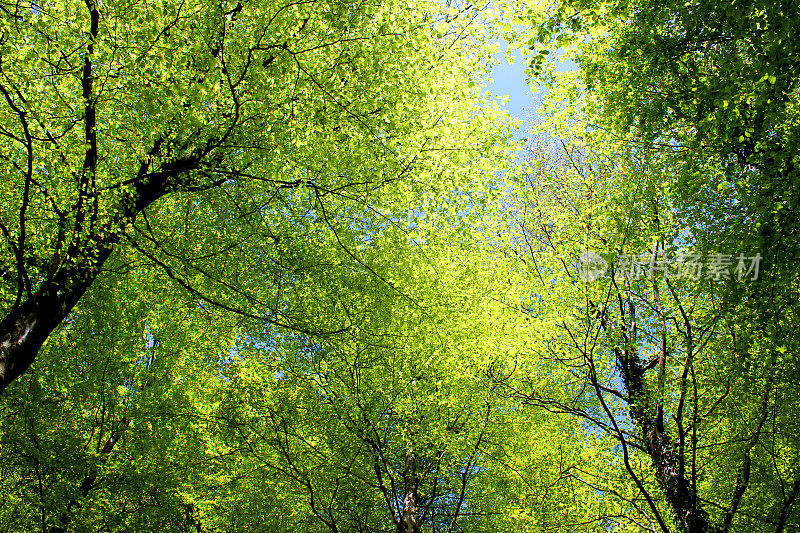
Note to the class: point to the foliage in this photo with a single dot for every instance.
(677, 148)
(214, 138)
(273, 271)
(182, 419)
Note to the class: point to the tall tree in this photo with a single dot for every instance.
(154, 412)
(214, 139)
(679, 161)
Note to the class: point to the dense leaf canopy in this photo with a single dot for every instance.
(278, 267)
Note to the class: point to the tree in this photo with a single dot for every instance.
(180, 417)
(113, 423)
(215, 140)
(719, 82)
(695, 374)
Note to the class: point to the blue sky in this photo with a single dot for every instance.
(509, 79)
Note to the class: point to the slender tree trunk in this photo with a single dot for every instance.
(88, 482)
(409, 517)
(657, 443)
(677, 489)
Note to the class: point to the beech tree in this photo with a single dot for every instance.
(675, 168)
(150, 412)
(214, 138)
(263, 260)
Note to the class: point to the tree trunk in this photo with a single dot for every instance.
(88, 482)
(25, 328)
(409, 517)
(678, 491)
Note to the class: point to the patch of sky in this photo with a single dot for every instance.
(509, 81)
(509, 78)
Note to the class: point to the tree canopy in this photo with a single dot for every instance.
(142, 125)
(282, 267)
